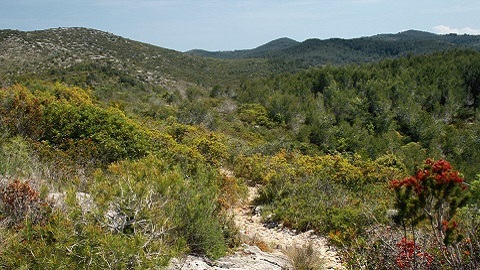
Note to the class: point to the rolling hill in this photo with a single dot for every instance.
(89, 57)
(260, 51)
(138, 75)
(74, 51)
(316, 52)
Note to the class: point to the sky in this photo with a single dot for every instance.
(242, 24)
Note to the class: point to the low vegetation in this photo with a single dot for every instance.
(305, 258)
(151, 196)
(110, 170)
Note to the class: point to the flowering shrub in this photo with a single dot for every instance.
(66, 118)
(434, 193)
(411, 255)
(20, 112)
(434, 175)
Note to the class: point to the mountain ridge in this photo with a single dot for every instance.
(77, 50)
(315, 51)
(274, 45)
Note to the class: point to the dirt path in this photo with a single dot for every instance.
(264, 248)
(280, 239)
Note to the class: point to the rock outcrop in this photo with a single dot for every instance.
(247, 258)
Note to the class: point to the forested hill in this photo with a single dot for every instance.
(89, 57)
(316, 52)
(260, 51)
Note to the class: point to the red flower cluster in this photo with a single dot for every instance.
(441, 171)
(412, 181)
(444, 173)
(408, 252)
(439, 166)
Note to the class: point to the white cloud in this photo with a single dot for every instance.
(443, 29)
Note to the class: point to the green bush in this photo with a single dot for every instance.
(65, 243)
(111, 133)
(254, 114)
(152, 193)
(15, 157)
(68, 119)
(252, 168)
(327, 193)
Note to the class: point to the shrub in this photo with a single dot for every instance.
(433, 194)
(68, 119)
(15, 157)
(305, 258)
(20, 112)
(255, 114)
(199, 145)
(212, 147)
(154, 198)
(384, 247)
(112, 135)
(252, 168)
(469, 223)
(197, 214)
(69, 243)
(410, 255)
(21, 202)
(323, 193)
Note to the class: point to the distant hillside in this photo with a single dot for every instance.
(90, 56)
(260, 51)
(315, 52)
(120, 69)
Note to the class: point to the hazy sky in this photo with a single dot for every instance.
(241, 24)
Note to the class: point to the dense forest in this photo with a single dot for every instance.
(317, 52)
(411, 105)
(103, 168)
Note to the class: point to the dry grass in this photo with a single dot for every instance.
(305, 258)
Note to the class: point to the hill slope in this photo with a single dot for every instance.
(260, 51)
(315, 52)
(63, 50)
(89, 57)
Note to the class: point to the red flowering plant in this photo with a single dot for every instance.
(432, 194)
(410, 255)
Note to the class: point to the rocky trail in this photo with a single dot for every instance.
(263, 247)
